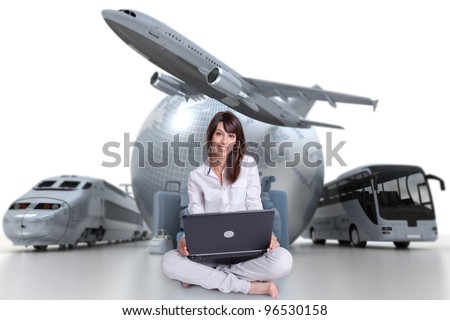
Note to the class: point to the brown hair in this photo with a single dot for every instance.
(231, 124)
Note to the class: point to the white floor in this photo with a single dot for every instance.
(128, 271)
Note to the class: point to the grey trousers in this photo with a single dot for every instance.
(227, 278)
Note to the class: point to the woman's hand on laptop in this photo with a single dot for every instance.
(182, 248)
(273, 243)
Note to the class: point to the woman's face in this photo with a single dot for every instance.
(222, 141)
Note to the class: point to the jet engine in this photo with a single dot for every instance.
(226, 83)
(166, 84)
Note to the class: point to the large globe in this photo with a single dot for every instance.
(171, 143)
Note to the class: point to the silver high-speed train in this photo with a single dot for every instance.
(68, 210)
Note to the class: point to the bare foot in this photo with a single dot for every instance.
(185, 284)
(264, 288)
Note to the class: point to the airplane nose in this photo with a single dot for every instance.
(107, 13)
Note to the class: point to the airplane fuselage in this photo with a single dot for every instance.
(198, 73)
(182, 58)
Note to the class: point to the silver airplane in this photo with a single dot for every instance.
(199, 73)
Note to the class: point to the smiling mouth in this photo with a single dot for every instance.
(220, 149)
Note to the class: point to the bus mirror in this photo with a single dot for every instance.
(433, 177)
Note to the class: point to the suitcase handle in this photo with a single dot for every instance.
(178, 183)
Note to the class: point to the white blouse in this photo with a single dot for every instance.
(207, 195)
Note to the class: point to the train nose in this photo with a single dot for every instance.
(28, 224)
(12, 222)
(33, 220)
(37, 224)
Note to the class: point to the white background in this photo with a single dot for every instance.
(69, 84)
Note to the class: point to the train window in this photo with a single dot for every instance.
(69, 184)
(46, 184)
(87, 185)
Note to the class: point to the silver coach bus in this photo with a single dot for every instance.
(376, 203)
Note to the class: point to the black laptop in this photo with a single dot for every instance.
(240, 235)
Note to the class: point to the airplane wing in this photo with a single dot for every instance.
(190, 92)
(285, 91)
(308, 123)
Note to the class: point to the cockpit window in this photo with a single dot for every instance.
(129, 12)
(69, 184)
(46, 184)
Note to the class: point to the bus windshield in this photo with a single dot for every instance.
(404, 196)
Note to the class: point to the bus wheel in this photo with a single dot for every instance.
(91, 243)
(354, 238)
(314, 238)
(72, 245)
(401, 245)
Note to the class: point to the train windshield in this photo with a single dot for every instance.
(46, 184)
(55, 185)
(69, 184)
